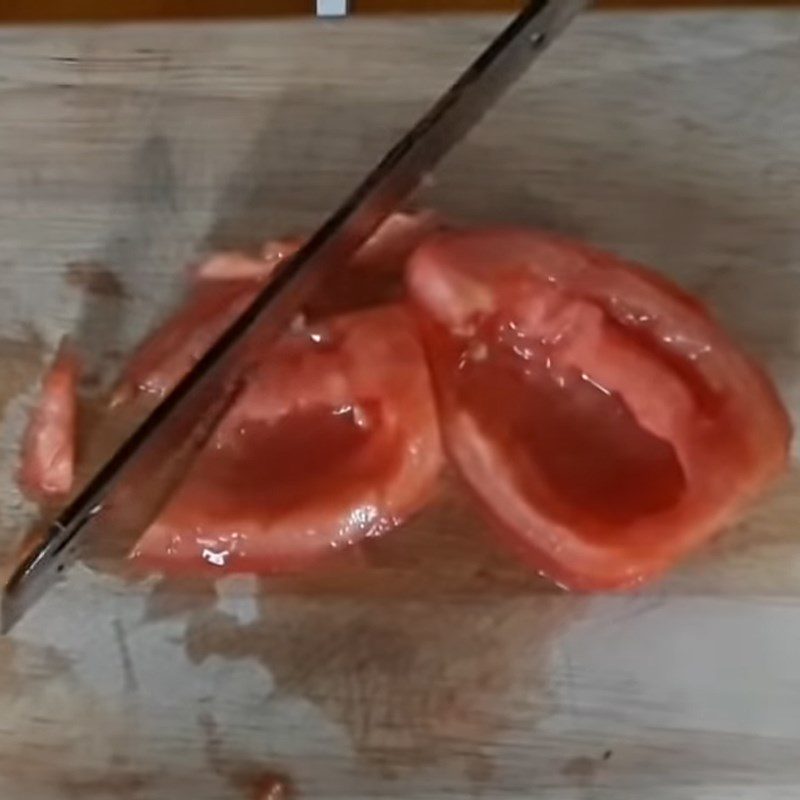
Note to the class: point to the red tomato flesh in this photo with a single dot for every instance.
(48, 447)
(599, 413)
(335, 439)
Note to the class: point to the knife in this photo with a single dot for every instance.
(107, 517)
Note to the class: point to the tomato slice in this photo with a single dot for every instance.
(375, 275)
(225, 283)
(238, 266)
(168, 353)
(335, 439)
(389, 249)
(598, 412)
(386, 251)
(47, 470)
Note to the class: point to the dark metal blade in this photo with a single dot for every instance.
(110, 513)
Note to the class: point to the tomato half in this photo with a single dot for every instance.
(47, 470)
(334, 439)
(599, 413)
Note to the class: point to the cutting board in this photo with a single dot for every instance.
(431, 666)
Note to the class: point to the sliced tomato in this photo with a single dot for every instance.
(223, 286)
(172, 349)
(386, 251)
(47, 471)
(226, 282)
(599, 413)
(389, 248)
(374, 276)
(239, 266)
(334, 439)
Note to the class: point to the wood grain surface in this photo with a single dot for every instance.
(430, 665)
(43, 10)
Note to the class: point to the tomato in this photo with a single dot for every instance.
(238, 266)
(386, 251)
(167, 354)
(398, 237)
(375, 274)
(48, 447)
(334, 439)
(599, 413)
(225, 283)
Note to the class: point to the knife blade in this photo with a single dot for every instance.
(106, 518)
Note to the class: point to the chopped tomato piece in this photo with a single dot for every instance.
(386, 251)
(374, 276)
(48, 447)
(223, 286)
(238, 266)
(168, 353)
(389, 248)
(226, 282)
(599, 413)
(334, 439)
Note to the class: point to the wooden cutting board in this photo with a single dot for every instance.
(431, 666)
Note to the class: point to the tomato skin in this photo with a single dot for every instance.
(538, 347)
(334, 440)
(47, 470)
